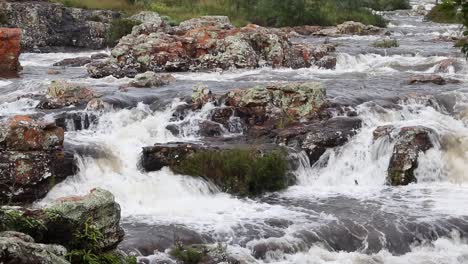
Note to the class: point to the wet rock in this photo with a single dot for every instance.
(432, 78)
(315, 138)
(203, 128)
(16, 249)
(61, 94)
(383, 131)
(32, 159)
(10, 50)
(201, 95)
(53, 72)
(205, 48)
(246, 170)
(444, 66)
(97, 105)
(151, 79)
(75, 121)
(411, 141)
(99, 56)
(73, 62)
(46, 25)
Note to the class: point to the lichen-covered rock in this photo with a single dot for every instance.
(201, 95)
(206, 48)
(10, 49)
(151, 79)
(151, 22)
(411, 141)
(17, 250)
(99, 208)
(241, 170)
(61, 94)
(47, 25)
(32, 159)
(218, 22)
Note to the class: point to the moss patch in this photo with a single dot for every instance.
(119, 28)
(239, 172)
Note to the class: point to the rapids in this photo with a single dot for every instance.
(325, 217)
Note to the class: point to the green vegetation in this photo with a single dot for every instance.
(263, 12)
(86, 249)
(239, 172)
(185, 254)
(3, 18)
(446, 12)
(120, 28)
(386, 43)
(464, 17)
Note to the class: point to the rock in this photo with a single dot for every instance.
(151, 22)
(383, 131)
(98, 105)
(46, 25)
(349, 28)
(99, 56)
(316, 137)
(205, 48)
(67, 220)
(61, 94)
(444, 66)
(100, 209)
(18, 251)
(53, 72)
(292, 100)
(432, 78)
(201, 95)
(32, 159)
(73, 62)
(10, 50)
(241, 170)
(151, 79)
(217, 22)
(203, 128)
(74, 121)
(411, 141)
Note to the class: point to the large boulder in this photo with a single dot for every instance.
(68, 220)
(20, 248)
(62, 94)
(206, 48)
(32, 159)
(10, 49)
(47, 25)
(244, 170)
(410, 142)
(150, 22)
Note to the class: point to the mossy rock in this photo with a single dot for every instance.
(386, 43)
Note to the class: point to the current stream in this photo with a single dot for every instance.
(325, 218)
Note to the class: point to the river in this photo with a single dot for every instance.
(325, 217)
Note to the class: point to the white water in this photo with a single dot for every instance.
(163, 198)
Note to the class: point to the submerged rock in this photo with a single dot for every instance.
(349, 28)
(241, 170)
(32, 159)
(10, 50)
(410, 142)
(47, 25)
(61, 94)
(205, 48)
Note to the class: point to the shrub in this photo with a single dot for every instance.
(119, 28)
(444, 13)
(187, 255)
(386, 43)
(239, 172)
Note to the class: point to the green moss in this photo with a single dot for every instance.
(120, 28)
(444, 13)
(239, 172)
(461, 42)
(14, 220)
(386, 43)
(3, 18)
(187, 255)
